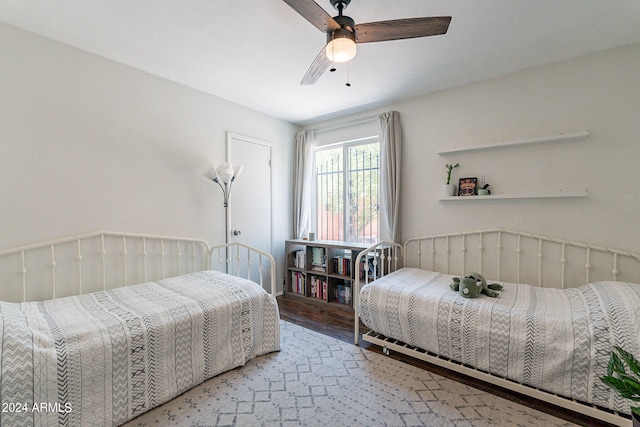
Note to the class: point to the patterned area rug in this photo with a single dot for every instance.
(317, 380)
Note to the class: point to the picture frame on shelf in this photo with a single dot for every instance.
(468, 186)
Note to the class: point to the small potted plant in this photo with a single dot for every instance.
(623, 375)
(449, 189)
(483, 189)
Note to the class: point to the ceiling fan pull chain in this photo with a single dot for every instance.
(348, 75)
(333, 55)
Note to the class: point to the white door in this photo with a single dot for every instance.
(251, 199)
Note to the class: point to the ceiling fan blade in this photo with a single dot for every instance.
(318, 66)
(402, 29)
(314, 14)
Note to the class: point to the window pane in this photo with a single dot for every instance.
(347, 180)
(364, 166)
(330, 194)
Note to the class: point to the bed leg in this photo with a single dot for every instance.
(386, 350)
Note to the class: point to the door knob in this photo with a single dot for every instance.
(236, 232)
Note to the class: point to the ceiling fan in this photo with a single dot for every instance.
(343, 33)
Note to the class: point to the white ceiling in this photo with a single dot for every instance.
(255, 52)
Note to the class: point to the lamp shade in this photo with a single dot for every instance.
(225, 172)
(237, 170)
(211, 174)
(341, 44)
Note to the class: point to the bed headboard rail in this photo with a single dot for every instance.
(521, 257)
(104, 260)
(245, 261)
(510, 256)
(95, 261)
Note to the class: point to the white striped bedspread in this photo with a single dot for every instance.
(556, 340)
(106, 357)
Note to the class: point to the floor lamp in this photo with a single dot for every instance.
(224, 175)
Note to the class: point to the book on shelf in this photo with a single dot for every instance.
(299, 259)
(318, 259)
(343, 294)
(318, 287)
(297, 282)
(342, 265)
(368, 266)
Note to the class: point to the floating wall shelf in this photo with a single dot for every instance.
(558, 194)
(520, 142)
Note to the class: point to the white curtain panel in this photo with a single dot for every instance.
(302, 183)
(390, 156)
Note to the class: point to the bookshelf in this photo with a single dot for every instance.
(322, 270)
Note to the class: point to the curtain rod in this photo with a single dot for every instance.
(345, 123)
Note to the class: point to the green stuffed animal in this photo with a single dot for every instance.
(473, 285)
(467, 286)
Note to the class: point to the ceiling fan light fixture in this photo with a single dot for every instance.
(341, 33)
(342, 46)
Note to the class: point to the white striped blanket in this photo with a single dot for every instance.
(556, 340)
(106, 357)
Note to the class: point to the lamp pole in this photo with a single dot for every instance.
(226, 191)
(224, 175)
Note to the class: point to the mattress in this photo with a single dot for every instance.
(106, 357)
(556, 340)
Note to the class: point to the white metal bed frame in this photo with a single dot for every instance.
(103, 260)
(552, 262)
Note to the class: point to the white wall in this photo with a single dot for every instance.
(598, 92)
(88, 144)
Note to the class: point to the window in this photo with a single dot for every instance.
(347, 191)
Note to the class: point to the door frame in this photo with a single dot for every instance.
(234, 136)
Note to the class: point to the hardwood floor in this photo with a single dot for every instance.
(337, 322)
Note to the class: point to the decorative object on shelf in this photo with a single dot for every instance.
(626, 383)
(468, 186)
(224, 175)
(483, 189)
(449, 189)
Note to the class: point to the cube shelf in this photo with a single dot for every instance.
(323, 270)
